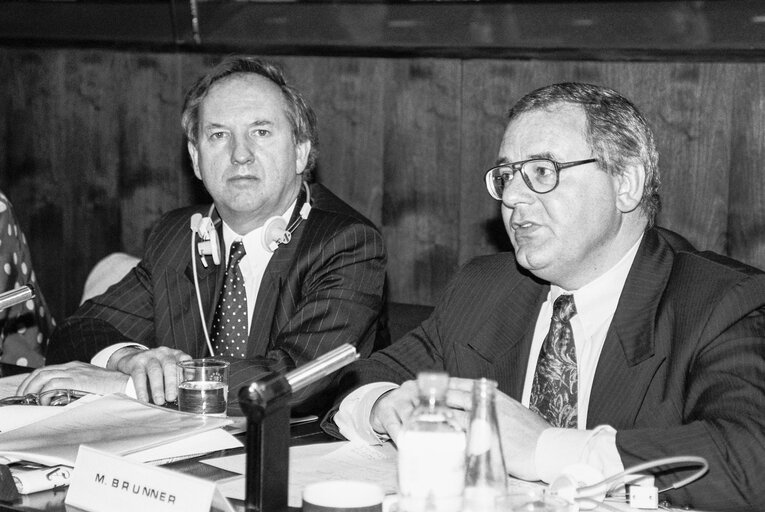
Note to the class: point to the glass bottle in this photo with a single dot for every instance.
(431, 452)
(485, 473)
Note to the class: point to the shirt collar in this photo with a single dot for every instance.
(253, 240)
(598, 299)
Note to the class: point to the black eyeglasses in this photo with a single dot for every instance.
(540, 174)
(50, 397)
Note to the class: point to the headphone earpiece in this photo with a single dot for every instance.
(209, 246)
(275, 230)
(275, 233)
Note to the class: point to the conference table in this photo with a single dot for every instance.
(300, 434)
(53, 500)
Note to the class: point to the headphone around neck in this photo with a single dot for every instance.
(275, 233)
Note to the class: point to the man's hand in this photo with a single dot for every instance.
(519, 428)
(73, 375)
(157, 366)
(392, 408)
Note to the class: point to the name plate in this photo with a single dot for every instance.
(105, 482)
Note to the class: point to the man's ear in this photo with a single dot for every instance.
(629, 187)
(302, 150)
(194, 154)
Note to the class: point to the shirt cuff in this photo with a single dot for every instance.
(353, 416)
(103, 356)
(558, 448)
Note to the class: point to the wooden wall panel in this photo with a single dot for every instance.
(347, 95)
(421, 162)
(746, 222)
(151, 154)
(688, 107)
(92, 151)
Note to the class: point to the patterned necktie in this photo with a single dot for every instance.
(229, 328)
(555, 387)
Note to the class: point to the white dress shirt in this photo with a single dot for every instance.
(253, 267)
(557, 448)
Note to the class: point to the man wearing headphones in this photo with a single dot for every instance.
(298, 270)
(614, 342)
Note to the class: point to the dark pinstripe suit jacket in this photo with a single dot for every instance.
(321, 290)
(682, 371)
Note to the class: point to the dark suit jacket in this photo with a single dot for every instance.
(321, 290)
(682, 371)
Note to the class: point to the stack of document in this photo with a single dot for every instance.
(115, 424)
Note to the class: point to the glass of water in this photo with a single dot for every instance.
(203, 386)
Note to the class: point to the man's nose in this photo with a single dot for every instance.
(516, 192)
(241, 151)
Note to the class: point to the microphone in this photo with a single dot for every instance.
(16, 296)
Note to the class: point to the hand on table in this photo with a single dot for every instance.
(519, 428)
(73, 375)
(156, 365)
(393, 408)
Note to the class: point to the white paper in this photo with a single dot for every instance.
(16, 416)
(341, 460)
(113, 423)
(9, 385)
(191, 446)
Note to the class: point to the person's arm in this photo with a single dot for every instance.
(124, 314)
(420, 349)
(25, 327)
(720, 398)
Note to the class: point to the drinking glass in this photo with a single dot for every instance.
(203, 386)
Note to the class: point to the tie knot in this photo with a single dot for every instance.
(564, 308)
(237, 252)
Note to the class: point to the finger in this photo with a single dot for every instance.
(139, 382)
(459, 399)
(462, 418)
(394, 430)
(22, 389)
(170, 371)
(390, 423)
(35, 382)
(156, 376)
(62, 382)
(460, 384)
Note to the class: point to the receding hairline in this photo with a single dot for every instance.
(253, 79)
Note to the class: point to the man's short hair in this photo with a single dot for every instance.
(299, 113)
(617, 132)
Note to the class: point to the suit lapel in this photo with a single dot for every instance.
(629, 360)
(506, 340)
(264, 314)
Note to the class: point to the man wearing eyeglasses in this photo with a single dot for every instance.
(613, 341)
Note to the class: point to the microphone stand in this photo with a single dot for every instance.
(266, 405)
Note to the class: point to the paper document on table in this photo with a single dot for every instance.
(16, 416)
(9, 385)
(326, 461)
(113, 423)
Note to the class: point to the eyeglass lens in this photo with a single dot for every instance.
(540, 175)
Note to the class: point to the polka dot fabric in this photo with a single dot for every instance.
(230, 323)
(24, 328)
